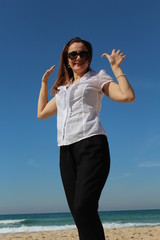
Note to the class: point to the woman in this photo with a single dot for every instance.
(84, 152)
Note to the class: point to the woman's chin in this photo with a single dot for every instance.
(80, 71)
(80, 68)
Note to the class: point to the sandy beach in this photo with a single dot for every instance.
(149, 233)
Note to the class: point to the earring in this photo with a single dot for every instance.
(68, 66)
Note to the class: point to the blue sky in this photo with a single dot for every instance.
(32, 35)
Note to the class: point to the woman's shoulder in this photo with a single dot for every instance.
(100, 78)
(100, 74)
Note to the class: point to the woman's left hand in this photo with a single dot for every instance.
(115, 58)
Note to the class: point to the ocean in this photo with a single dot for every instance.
(25, 223)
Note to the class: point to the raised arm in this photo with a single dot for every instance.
(121, 91)
(46, 109)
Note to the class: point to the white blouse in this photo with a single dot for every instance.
(78, 107)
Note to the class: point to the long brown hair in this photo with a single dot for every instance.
(65, 73)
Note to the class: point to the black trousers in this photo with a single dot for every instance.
(84, 167)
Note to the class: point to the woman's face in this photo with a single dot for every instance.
(78, 58)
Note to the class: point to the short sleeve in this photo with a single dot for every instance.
(103, 78)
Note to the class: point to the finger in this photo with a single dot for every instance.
(121, 54)
(49, 71)
(105, 55)
(113, 51)
(52, 68)
(124, 56)
(118, 51)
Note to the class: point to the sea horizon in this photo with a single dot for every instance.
(59, 212)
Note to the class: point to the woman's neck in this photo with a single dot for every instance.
(77, 76)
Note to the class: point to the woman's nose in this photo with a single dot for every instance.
(78, 57)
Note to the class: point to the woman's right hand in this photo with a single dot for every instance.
(47, 74)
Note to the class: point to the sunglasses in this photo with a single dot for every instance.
(83, 55)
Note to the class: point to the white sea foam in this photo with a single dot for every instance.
(28, 229)
(6, 222)
(129, 225)
(25, 229)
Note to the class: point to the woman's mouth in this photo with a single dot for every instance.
(79, 63)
